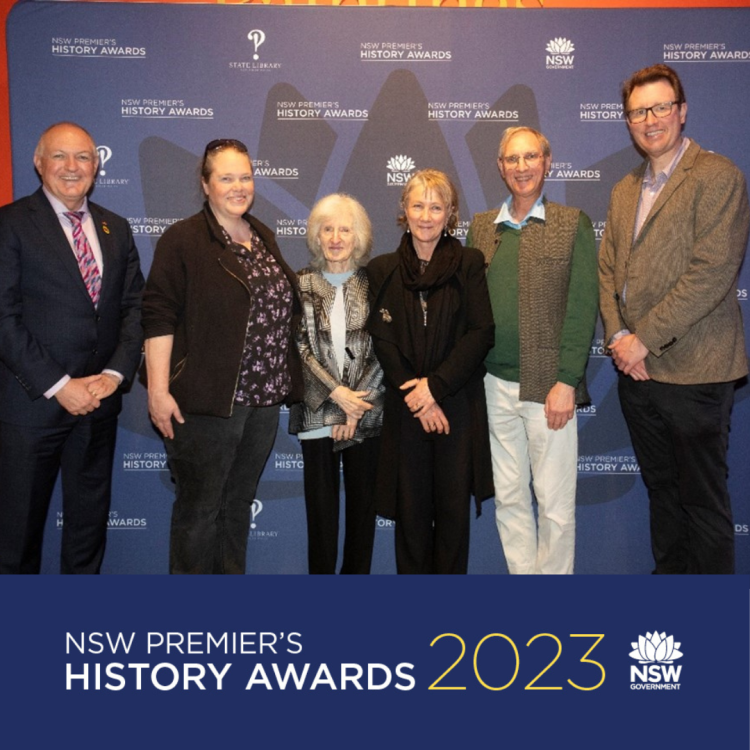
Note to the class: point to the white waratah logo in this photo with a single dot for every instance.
(401, 164)
(560, 46)
(656, 647)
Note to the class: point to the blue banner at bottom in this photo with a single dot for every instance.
(378, 662)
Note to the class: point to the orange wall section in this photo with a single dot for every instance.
(6, 185)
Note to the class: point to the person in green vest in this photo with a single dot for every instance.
(542, 276)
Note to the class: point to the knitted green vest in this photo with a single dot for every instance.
(544, 261)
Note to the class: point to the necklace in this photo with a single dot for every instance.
(422, 296)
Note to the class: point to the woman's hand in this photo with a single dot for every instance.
(162, 408)
(419, 401)
(344, 431)
(435, 421)
(351, 402)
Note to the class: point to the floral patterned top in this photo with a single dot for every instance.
(264, 377)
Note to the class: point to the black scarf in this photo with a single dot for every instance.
(439, 287)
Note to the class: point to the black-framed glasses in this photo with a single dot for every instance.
(664, 109)
(222, 143)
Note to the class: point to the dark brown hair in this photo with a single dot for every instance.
(653, 73)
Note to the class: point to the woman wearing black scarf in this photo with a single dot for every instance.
(432, 326)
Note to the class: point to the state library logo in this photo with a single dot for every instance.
(105, 154)
(656, 653)
(256, 38)
(255, 509)
(256, 534)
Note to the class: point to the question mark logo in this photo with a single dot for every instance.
(255, 509)
(105, 154)
(257, 37)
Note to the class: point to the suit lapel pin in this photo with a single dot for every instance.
(105, 228)
(386, 315)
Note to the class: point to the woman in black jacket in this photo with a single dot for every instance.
(432, 326)
(219, 309)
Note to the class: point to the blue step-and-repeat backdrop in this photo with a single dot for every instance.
(356, 99)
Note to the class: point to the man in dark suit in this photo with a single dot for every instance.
(70, 339)
(676, 234)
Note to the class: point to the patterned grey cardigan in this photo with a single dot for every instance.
(362, 371)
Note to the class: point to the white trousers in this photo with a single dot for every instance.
(525, 449)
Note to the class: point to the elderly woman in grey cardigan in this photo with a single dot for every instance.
(340, 418)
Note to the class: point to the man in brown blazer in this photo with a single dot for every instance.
(676, 233)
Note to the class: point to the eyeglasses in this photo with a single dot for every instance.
(659, 110)
(512, 161)
(222, 143)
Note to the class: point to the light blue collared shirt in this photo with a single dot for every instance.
(537, 212)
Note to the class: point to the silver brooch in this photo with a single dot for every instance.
(386, 315)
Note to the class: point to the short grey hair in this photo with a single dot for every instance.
(330, 207)
(510, 132)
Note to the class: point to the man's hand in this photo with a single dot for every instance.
(639, 372)
(103, 386)
(76, 398)
(560, 405)
(627, 352)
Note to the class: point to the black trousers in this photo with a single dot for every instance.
(216, 464)
(30, 460)
(680, 435)
(322, 468)
(433, 512)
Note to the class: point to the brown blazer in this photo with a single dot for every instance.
(681, 270)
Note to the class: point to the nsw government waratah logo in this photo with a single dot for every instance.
(400, 169)
(560, 54)
(656, 653)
